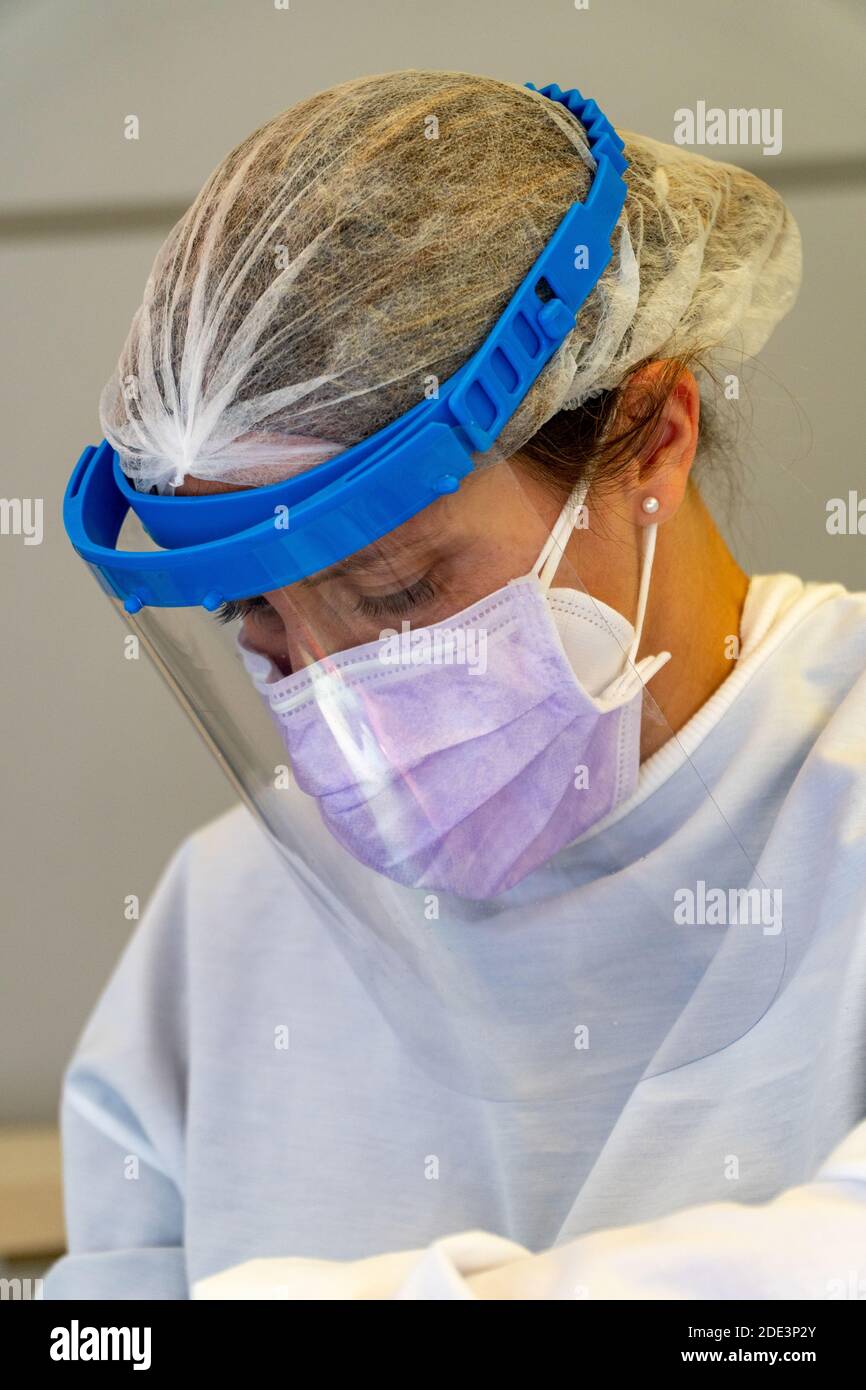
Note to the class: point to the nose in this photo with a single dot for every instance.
(271, 640)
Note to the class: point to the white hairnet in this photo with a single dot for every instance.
(364, 242)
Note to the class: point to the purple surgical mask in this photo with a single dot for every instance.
(462, 756)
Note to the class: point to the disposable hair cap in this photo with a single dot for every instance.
(355, 250)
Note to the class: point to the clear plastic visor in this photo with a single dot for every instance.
(442, 738)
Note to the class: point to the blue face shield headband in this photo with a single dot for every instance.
(238, 544)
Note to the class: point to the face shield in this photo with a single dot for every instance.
(395, 660)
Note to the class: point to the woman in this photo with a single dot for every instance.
(552, 958)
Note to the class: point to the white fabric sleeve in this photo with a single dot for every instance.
(124, 1233)
(809, 1243)
(122, 1118)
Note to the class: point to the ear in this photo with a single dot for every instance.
(661, 476)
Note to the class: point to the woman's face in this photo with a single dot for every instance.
(458, 550)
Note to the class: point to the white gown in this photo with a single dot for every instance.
(193, 1145)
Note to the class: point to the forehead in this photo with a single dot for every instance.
(500, 490)
(198, 487)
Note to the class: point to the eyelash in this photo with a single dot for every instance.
(396, 605)
(239, 608)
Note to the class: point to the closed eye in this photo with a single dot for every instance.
(398, 604)
(369, 605)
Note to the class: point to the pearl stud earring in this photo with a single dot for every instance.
(650, 504)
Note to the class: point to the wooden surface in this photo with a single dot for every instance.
(31, 1206)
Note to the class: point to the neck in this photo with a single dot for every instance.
(696, 598)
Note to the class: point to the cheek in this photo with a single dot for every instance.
(298, 633)
(324, 621)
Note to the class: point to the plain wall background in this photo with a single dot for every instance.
(102, 775)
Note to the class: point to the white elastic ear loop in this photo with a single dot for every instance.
(554, 547)
(646, 569)
(632, 668)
